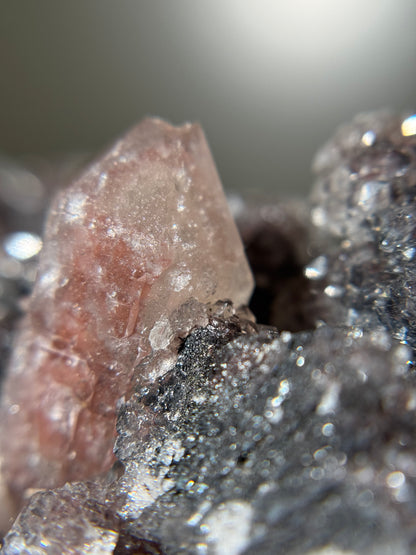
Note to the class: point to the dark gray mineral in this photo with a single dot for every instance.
(364, 200)
(294, 438)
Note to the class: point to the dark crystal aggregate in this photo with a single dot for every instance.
(364, 199)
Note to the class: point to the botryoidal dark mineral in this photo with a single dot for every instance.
(268, 440)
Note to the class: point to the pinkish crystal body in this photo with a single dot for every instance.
(144, 230)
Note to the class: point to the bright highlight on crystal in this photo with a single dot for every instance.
(22, 245)
(409, 126)
(395, 479)
(368, 139)
(317, 268)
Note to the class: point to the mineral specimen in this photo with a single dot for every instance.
(365, 200)
(252, 443)
(131, 250)
(259, 440)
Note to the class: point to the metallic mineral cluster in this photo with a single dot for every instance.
(296, 434)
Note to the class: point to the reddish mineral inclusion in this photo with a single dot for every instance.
(145, 229)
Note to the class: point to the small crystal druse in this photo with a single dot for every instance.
(364, 201)
(131, 248)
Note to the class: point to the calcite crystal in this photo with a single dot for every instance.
(131, 250)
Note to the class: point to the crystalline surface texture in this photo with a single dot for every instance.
(252, 443)
(260, 441)
(365, 200)
(143, 231)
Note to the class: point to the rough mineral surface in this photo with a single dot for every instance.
(129, 251)
(258, 440)
(365, 200)
(253, 444)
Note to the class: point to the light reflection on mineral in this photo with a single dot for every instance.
(368, 139)
(328, 429)
(317, 268)
(329, 400)
(381, 338)
(369, 192)
(317, 473)
(286, 336)
(14, 409)
(409, 253)
(284, 387)
(319, 216)
(320, 454)
(409, 126)
(352, 317)
(274, 412)
(22, 245)
(334, 291)
(395, 479)
(227, 527)
(401, 335)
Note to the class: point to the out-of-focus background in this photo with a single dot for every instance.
(268, 79)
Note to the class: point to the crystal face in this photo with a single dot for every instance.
(297, 437)
(141, 234)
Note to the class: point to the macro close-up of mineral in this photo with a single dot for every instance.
(178, 382)
(129, 251)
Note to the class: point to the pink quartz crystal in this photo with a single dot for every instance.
(144, 230)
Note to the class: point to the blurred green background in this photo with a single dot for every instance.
(269, 80)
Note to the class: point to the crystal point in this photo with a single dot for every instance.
(145, 229)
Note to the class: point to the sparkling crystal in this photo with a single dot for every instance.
(223, 474)
(257, 439)
(371, 210)
(139, 241)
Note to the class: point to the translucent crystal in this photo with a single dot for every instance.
(141, 234)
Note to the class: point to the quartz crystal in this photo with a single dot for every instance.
(131, 250)
(299, 437)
